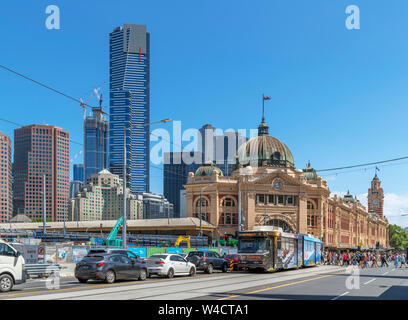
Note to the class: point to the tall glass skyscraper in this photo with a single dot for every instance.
(96, 144)
(130, 104)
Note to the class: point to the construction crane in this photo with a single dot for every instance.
(83, 104)
(76, 156)
(182, 238)
(111, 240)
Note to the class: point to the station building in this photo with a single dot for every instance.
(265, 188)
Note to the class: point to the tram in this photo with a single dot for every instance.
(271, 249)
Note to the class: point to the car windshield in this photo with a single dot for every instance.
(252, 245)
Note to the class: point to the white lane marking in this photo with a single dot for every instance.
(393, 269)
(385, 273)
(370, 281)
(341, 295)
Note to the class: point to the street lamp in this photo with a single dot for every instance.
(124, 175)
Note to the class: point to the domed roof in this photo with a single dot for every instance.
(309, 173)
(207, 169)
(265, 148)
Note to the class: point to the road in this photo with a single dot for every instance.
(323, 282)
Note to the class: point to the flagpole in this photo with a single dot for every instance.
(263, 108)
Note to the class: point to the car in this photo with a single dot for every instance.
(12, 267)
(235, 258)
(208, 261)
(125, 252)
(169, 265)
(109, 267)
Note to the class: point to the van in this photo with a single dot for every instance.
(12, 267)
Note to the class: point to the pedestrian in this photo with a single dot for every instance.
(384, 260)
(396, 260)
(403, 261)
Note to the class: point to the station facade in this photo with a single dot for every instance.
(265, 188)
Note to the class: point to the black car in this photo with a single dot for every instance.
(109, 267)
(125, 252)
(207, 261)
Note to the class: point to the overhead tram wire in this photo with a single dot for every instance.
(362, 165)
(47, 87)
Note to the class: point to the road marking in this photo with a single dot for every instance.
(276, 287)
(370, 281)
(343, 294)
(79, 288)
(393, 269)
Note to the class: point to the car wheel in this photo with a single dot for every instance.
(225, 267)
(192, 272)
(170, 273)
(210, 268)
(110, 277)
(143, 275)
(6, 283)
(82, 280)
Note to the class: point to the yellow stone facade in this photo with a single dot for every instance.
(276, 193)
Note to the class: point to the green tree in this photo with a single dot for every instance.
(398, 237)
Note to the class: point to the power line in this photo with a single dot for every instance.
(362, 165)
(46, 86)
(21, 125)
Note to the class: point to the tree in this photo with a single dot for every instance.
(398, 237)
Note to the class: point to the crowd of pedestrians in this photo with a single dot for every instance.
(364, 259)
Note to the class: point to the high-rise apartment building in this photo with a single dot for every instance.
(96, 144)
(6, 194)
(130, 104)
(41, 150)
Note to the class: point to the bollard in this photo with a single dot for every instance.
(231, 265)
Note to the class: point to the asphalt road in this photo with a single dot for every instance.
(323, 282)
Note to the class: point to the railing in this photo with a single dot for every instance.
(41, 269)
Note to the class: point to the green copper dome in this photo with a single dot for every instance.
(309, 173)
(265, 149)
(207, 169)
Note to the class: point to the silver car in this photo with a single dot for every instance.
(169, 265)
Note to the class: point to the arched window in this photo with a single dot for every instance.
(204, 202)
(281, 224)
(311, 215)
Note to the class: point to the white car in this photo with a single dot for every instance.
(169, 265)
(12, 267)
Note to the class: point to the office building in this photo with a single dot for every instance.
(6, 192)
(41, 150)
(102, 199)
(130, 104)
(175, 173)
(79, 172)
(156, 206)
(96, 150)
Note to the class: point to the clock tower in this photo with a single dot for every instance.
(376, 197)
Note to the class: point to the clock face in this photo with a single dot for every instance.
(375, 201)
(277, 185)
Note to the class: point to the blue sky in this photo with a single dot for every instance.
(338, 96)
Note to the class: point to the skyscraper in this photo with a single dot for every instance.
(41, 150)
(175, 174)
(6, 195)
(96, 144)
(130, 104)
(79, 172)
